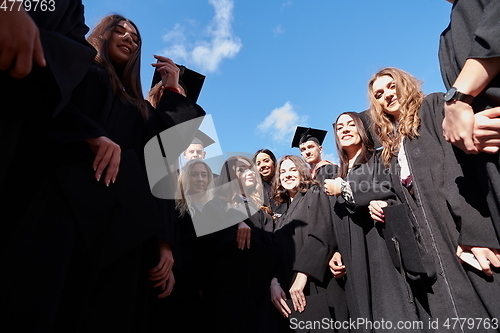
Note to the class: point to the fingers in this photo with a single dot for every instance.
(243, 236)
(280, 304)
(490, 150)
(490, 113)
(168, 286)
(20, 44)
(298, 299)
(108, 156)
(376, 210)
(165, 263)
(38, 55)
(486, 258)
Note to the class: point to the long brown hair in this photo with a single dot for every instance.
(127, 83)
(410, 97)
(366, 144)
(280, 194)
(229, 190)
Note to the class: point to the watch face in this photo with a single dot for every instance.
(450, 94)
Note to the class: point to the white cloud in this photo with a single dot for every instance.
(281, 123)
(278, 30)
(207, 54)
(286, 4)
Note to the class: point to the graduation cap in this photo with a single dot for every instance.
(190, 80)
(304, 134)
(201, 138)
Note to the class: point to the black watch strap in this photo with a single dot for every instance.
(454, 95)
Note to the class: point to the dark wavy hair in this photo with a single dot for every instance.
(273, 158)
(366, 144)
(280, 194)
(125, 82)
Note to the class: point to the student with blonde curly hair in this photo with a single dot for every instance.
(441, 203)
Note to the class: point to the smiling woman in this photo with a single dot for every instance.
(303, 237)
(116, 237)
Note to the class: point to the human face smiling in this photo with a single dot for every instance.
(347, 132)
(245, 174)
(311, 152)
(385, 93)
(265, 165)
(123, 43)
(198, 179)
(289, 176)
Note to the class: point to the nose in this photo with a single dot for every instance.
(127, 37)
(389, 93)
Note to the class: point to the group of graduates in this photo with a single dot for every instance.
(405, 229)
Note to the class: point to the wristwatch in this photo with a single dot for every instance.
(454, 95)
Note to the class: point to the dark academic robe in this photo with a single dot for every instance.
(235, 282)
(327, 171)
(375, 288)
(278, 210)
(87, 245)
(473, 33)
(186, 296)
(45, 91)
(304, 239)
(447, 208)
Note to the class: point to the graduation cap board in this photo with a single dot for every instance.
(201, 138)
(191, 81)
(304, 134)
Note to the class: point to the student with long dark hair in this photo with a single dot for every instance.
(375, 289)
(96, 211)
(265, 161)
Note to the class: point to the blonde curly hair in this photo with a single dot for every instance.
(410, 97)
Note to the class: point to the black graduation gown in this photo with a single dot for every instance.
(447, 209)
(304, 239)
(278, 210)
(375, 289)
(327, 171)
(186, 295)
(44, 92)
(473, 33)
(89, 244)
(236, 282)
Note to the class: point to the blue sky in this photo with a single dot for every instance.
(273, 65)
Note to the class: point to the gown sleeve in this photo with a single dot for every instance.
(318, 248)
